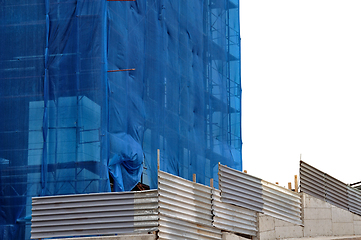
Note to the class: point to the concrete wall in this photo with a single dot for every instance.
(319, 218)
(231, 236)
(273, 228)
(324, 219)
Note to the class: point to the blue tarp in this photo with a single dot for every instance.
(90, 89)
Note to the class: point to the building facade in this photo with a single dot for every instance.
(90, 90)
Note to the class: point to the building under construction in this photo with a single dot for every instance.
(91, 89)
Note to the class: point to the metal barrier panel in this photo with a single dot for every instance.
(312, 181)
(232, 218)
(185, 209)
(336, 192)
(323, 186)
(354, 200)
(281, 203)
(240, 189)
(94, 214)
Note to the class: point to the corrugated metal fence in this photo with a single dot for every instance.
(323, 186)
(246, 191)
(232, 218)
(179, 209)
(312, 181)
(94, 214)
(336, 192)
(240, 189)
(354, 200)
(281, 203)
(185, 209)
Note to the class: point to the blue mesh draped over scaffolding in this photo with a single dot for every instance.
(90, 89)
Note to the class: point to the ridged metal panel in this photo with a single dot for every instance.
(281, 203)
(354, 200)
(336, 192)
(232, 218)
(94, 214)
(321, 185)
(185, 209)
(240, 189)
(312, 181)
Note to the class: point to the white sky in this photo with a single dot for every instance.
(301, 82)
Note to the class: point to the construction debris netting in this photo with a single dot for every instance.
(90, 89)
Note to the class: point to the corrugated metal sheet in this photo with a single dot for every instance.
(232, 218)
(281, 203)
(312, 181)
(336, 192)
(185, 209)
(240, 189)
(94, 214)
(354, 200)
(321, 185)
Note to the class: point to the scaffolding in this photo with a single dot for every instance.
(91, 89)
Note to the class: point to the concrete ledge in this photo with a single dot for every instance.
(329, 238)
(231, 236)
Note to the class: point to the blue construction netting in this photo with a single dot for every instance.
(90, 89)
